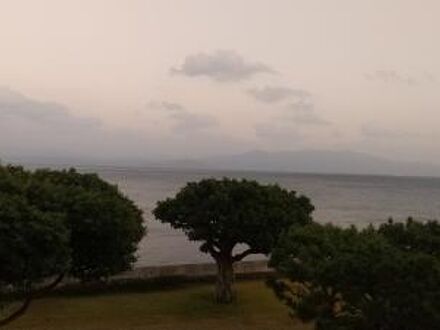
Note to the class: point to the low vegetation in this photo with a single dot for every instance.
(188, 307)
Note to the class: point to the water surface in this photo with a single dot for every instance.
(340, 199)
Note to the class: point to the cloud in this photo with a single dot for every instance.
(294, 124)
(310, 119)
(430, 78)
(273, 94)
(164, 105)
(187, 122)
(35, 130)
(395, 77)
(303, 113)
(31, 130)
(301, 107)
(277, 132)
(222, 65)
(371, 130)
(16, 106)
(184, 121)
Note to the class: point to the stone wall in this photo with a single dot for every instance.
(244, 268)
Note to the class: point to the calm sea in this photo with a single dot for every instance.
(340, 199)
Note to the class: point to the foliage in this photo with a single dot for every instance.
(224, 213)
(105, 226)
(413, 236)
(61, 222)
(387, 278)
(33, 244)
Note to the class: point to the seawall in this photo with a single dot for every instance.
(193, 271)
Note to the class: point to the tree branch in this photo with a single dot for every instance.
(27, 301)
(244, 254)
(213, 252)
(208, 247)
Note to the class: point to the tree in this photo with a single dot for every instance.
(359, 280)
(56, 223)
(105, 226)
(224, 213)
(33, 249)
(413, 236)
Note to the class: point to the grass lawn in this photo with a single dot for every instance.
(187, 307)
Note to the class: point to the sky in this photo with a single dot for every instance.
(162, 79)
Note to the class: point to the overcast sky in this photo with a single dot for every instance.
(148, 79)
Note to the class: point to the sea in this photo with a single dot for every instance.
(344, 200)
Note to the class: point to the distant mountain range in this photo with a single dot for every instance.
(309, 161)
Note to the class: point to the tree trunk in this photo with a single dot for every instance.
(225, 293)
(28, 300)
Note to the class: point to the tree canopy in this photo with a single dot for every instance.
(105, 226)
(224, 213)
(386, 278)
(56, 223)
(33, 248)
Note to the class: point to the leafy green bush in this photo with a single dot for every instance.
(385, 278)
(56, 223)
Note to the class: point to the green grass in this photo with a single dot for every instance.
(186, 307)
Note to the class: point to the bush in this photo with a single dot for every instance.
(54, 223)
(387, 278)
